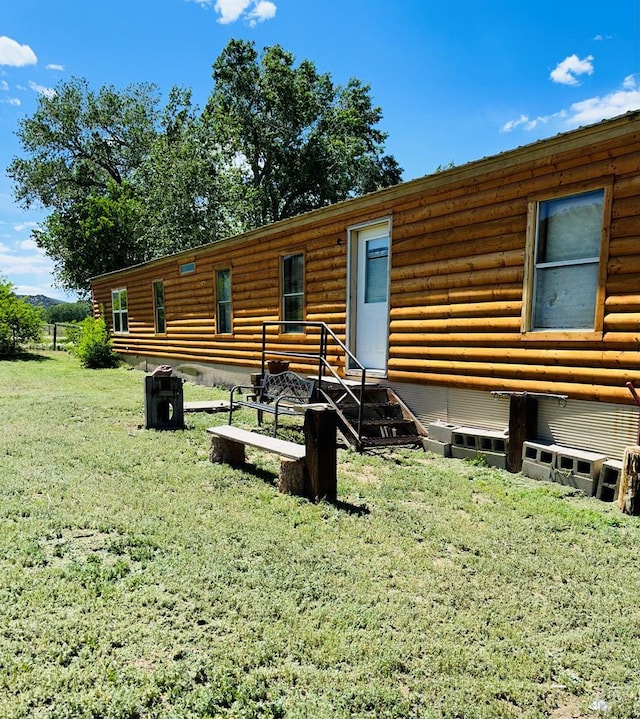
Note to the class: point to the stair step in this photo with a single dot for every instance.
(390, 441)
(399, 422)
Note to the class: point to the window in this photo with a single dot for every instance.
(120, 312)
(158, 306)
(293, 291)
(377, 257)
(566, 262)
(223, 301)
(187, 268)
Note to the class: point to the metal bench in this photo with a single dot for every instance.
(286, 393)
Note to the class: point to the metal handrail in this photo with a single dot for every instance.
(321, 357)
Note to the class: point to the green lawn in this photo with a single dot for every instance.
(139, 580)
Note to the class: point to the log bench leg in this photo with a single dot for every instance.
(227, 451)
(293, 476)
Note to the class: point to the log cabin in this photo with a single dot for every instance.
(513, 275)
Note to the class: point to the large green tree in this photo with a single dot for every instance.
(93, 235)
(295, 140)
(185, 189)
(125, 180)
(79, 140)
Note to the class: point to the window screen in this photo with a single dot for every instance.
(567, 259)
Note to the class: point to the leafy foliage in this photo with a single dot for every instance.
(20, 322)
(296, 141)
(93, 346)
(126, 181)
(92, 236)
(79, 139)
(68, 312)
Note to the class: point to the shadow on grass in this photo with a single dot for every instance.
(24, 357)
(272, 479)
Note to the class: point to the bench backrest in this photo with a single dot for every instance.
(287, 385)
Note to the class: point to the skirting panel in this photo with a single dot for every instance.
(594, 426)
(589, 426)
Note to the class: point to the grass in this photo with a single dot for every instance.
(138, 580)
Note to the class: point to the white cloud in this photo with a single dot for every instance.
(566, 72)
(231, 10)
(263, 10)
(251, 11)
(51, 66)
(27, 263)
(11, 101)
(42, 90)
(586, 112)
(14, 54)
(4, 85)
(22, 226)
(615, 103)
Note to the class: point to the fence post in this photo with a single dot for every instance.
(55, 336)
(320, 425)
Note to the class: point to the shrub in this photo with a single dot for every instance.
(92, 344)
(20, 322)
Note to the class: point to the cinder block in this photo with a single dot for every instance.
(609, 480)
(493, 459)
(536, 471)
(437, 447)
(538, 460)
(482, 440)
(441, 431)
(576, 468)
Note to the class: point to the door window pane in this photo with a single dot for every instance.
(376, 282)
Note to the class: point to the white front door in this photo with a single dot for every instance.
(371, 249)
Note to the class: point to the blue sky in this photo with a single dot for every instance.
(456, 80)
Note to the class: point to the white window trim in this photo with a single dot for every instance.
(120, 313)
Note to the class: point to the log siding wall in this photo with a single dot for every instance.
(459, 243)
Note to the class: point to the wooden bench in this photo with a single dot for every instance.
(308, 470)
(286, 393)
(228, 443)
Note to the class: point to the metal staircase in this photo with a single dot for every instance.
(369, 415)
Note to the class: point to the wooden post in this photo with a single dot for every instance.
(629, 487)
(523, 421)
(55, 336)
(321, 454)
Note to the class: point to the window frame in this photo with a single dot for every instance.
(121, 314)
(226, 302)
(157, 308)
(285, 295)
(528, 331)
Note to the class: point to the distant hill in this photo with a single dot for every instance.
(40, 300)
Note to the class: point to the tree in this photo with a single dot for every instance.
(183, 188)
(68, 312)
(20, 321)
(125, 181)
(93, 235)
(293, 140)
(79, 140)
